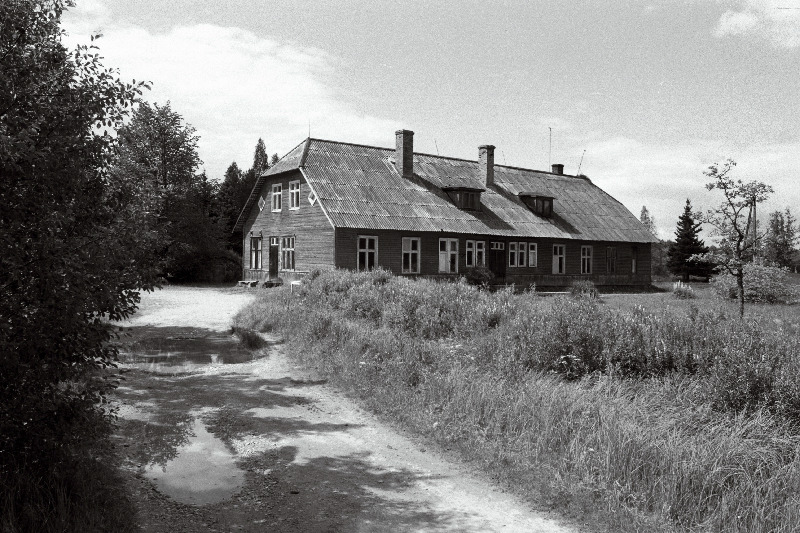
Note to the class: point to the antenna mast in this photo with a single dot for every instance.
(550, 153)
(581, 163)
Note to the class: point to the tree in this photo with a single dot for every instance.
(71, 251)
(648, 221)
(159, 150)
(682, 254)
(780, 242)
(260, 158)
(731, 225)
(274, 160)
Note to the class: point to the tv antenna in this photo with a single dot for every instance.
(550, 152)
(581, 163)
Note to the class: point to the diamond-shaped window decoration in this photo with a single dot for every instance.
(261, 203)
(312, 198)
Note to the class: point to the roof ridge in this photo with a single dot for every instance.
(439, 156)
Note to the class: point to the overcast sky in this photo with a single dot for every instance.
(653, 92)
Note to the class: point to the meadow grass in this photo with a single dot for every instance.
(645, 412)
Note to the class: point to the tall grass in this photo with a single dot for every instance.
(659, 421)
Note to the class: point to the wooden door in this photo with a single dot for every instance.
(274, 249)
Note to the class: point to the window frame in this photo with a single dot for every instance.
(562, 265)
(449, 254)
(277, 197)
(367, 252)
(287, 251)
(469, 254)
(411, 253)
(256, 254)
(294, 195)
(512, 254)
(611, 259)
(634, 259)
(586, 259)
(480, 253)
(533, 255)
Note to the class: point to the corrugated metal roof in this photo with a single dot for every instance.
(360, 187)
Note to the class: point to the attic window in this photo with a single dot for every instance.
(539, 204)
(469, 199)
(261, 203)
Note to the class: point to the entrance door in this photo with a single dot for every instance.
(274, 248)
(497, 259)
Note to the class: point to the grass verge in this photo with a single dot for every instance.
(644, 419)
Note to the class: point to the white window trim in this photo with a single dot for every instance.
(480, 246)
(611, 265)
(512, 254)
(282, 250)
(367, 250)
(262, 203)
(563, 256)
(411, 252)
(533, 254)
(277, 197)
(586, 253)
(294, 195)
(522, 254)
(450, 252)
(256, 256)
(469, 247)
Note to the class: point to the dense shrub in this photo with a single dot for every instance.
(583, 289)
(479, 276)
(684, 416)
(762, 283)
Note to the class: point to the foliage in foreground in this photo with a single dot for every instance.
(74, 250)
(762, 284)
(663, 421)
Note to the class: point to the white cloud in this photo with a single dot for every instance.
(232, 85)
(776, 21)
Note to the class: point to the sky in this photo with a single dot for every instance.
(642, 96)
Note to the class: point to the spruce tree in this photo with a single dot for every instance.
(685, 246)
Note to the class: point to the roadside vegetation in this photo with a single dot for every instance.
(658, 417)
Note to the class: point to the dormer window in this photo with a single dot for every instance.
(539, 204)
(465, 198)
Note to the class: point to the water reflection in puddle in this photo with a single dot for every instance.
(203, 472)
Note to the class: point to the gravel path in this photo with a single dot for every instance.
(265, 445)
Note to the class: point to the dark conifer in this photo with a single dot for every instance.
(685, 246)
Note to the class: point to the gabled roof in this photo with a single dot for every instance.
(359, 187)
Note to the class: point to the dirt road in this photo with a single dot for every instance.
(216, 440)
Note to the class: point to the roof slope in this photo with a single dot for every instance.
(359, 187)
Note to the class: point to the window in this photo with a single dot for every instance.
(476, 253)
(410, 255)
(464, 199)
(544, 207)
(261, 203)
(277, 196)
(611, 260)
(533, 254)
(312, 198)
(634, 253)
(558, 258)
(498, 246)
(586, 259)
(512, 254)
(287, 253)
(255, 253)
(480, 253)
(448, 256)
(367, 252)
(522, 254)
(294, 195)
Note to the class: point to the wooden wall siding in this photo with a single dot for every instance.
(390, 258)
(311, 228)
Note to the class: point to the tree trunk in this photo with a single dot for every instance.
(740, 285)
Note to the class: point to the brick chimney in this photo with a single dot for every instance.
(404, 153)
(558, 169)
(486, 163)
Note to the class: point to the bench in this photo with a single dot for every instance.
(247, 283)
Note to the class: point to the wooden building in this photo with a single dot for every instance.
(330, 204)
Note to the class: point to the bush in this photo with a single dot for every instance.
(762, 284)
(479, 276)
(583, 289)
(683, 291)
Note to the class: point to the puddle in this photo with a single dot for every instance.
(203, 472)
(171, 350)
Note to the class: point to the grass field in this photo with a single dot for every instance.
(638, 411)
